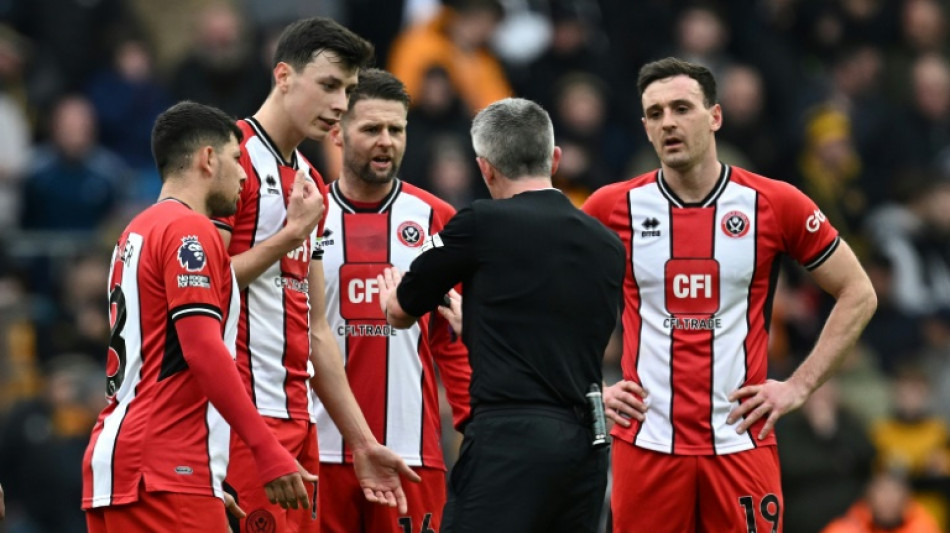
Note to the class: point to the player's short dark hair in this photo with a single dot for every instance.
(671, 66)
(301, 41)
(377, 84)
(184, 128)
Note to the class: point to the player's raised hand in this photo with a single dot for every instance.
(290, 491)
(304, 207)
(772, 399)
(378, 470)
(625, 400)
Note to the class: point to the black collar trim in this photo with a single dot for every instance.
(271, 145)
(350, 208)
(710, 199)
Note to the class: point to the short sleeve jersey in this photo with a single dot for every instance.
(698, 297)
(274, 330)
(392, 372)
(158, 427)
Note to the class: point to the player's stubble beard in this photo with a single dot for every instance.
(364, 171)
(219, 205)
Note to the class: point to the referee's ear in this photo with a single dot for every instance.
(555, 160)
(487, 170)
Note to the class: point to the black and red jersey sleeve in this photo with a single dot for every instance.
(808, 235)
(193, 263)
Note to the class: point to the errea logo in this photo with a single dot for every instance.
(814, 221)
(650, 226)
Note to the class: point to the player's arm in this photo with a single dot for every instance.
(3, 506)
(377, 468)
(841, 276)
(217, 378)
(304, 210)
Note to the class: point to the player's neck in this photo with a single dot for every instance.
(693, 184)
(279, 128)
(357, 190)
(178, 189)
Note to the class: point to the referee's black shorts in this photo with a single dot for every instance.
(526, 470)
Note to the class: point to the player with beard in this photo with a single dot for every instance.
(375, 220)
(159, 450)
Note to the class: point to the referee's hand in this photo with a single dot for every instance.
(388, 281)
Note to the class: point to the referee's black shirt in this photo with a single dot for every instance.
(542, 289)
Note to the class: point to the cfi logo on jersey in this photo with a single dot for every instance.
(191, 256)
(735, 224)
(411, 234)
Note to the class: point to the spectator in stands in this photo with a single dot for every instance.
(15, 128)
(456, 40)
(887, 507)
(437, 112)
(914, 441)
(830, 171)
(42, 442)
(223, 68)
(742, 95)
(927, 130)
(893, 335)
(74, 183)
(128, 98)
(826, 456)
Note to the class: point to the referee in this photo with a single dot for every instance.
(542, 291)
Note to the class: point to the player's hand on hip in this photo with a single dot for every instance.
(453, 311)
(625, 400)
(305, 206)
(388, 281)
(378, 470)
(771, 400)
(289, 491)
(231, 505)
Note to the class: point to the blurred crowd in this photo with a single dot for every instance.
(847, 99)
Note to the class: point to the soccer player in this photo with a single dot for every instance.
(159, 449)
(284, 343)
(694, 413)
(374, 221)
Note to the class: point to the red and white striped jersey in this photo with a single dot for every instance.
(159, 428)
(274, 333)
(391, 371)
(697, 297)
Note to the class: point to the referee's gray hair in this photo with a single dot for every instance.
(516, 136)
